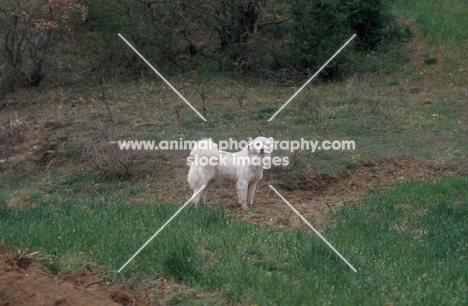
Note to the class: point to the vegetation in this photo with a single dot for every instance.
(384, 121)
(441, 22)
(408, 244)
(269, 38)
(70, 87)
(32, 32)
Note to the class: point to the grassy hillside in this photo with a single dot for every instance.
(69, 193)
(408, 244)
(441, 22)
(385, 116)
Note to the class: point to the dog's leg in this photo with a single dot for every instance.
(197, 177)
(204, 193)
(242, 187)
(251, 192)
(196, 199)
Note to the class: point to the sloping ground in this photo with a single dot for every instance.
(437, 65)
(24, 282)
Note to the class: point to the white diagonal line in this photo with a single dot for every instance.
(306, 83)
(159, 230)
(161, 76)
(310, 225)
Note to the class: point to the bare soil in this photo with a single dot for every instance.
(24, 281)
(315, 198)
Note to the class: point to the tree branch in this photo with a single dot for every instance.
(274, 22)
(196, 9)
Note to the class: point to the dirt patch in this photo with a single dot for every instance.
(315, 197)
(18, 202)
(320, 195)
(23, 281)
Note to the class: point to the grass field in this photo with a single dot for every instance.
(83, 205)
(384, 117)
(441, 22)
(409, 245)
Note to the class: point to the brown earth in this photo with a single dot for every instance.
(315, 197)
(24, 282)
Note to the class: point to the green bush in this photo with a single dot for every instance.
(321, 27)
(268, 38)
(368, 19)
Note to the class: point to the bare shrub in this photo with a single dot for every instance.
(11, 136)
(30, 31)
(177, 110)
(107, 156)
(203, 96)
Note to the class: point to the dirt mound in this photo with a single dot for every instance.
(24, 282)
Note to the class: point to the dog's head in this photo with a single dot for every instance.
(261, 146)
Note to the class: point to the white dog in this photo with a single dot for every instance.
(244, 167)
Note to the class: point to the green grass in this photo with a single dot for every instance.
(382, 122)
(409, 245)
(440, 21)
(383, 117)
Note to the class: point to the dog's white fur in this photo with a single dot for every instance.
(245, 175)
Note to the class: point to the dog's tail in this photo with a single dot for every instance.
(205, 147)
